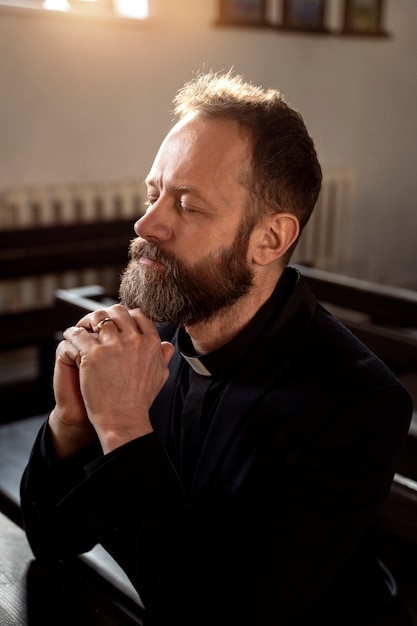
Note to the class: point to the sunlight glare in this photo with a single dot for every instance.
(56, 5)
(132, 8)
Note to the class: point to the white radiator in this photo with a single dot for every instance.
(64, 204)
(28, 207)
(326, 242)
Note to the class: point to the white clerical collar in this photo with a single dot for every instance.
(196, 364)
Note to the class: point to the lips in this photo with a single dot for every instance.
(148, 255)
(145, 260)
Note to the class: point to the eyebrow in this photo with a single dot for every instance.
(192, 190)
(181, 189)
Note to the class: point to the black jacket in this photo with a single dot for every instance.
(280, 526)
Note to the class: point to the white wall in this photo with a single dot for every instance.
(88, 101)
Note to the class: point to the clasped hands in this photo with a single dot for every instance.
(107, 374)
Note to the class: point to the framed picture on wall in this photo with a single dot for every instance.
(307, 15)
(242, 12)
(363, 17)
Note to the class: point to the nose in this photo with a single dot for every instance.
(153, 225)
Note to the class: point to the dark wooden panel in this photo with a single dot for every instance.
(56, 249)
(33, 593)
(384, 303)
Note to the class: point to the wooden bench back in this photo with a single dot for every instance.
(382, 316)
(38, 260)
(56, 249)
(384, 304)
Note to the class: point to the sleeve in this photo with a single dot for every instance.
(45, 481)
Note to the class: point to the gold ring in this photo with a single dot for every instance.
(101, 324)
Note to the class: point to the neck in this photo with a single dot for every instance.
(217, 331)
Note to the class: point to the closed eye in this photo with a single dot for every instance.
(150, 201)
(185, 208)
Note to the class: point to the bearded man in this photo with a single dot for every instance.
(219, 432)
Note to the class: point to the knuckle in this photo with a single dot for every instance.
(116, 309)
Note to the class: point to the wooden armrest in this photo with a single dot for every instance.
(399, 514)
(72, 304)
(384, 303)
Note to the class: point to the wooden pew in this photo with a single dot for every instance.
(33, 253)
(382, 303)
(91, 586)
(382, 316)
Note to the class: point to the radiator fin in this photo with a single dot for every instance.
(326, 242)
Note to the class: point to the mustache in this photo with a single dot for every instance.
(139, 248)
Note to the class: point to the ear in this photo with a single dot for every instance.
(273, 236)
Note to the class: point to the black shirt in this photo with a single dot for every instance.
(197, 395)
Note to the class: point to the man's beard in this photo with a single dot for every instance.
(186, 295)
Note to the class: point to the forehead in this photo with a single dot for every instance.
(207, 151)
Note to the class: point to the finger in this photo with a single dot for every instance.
(142, 323)
(93, 319)
(81, 341)
(79, 337)
(103, 322)
(68, 354)
(167, 351)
